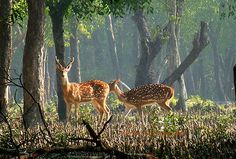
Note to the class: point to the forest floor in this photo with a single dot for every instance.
(205, 131)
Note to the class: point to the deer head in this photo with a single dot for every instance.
(114, 85)
(63, 71)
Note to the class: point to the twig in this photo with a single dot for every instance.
(39, 107)
(96, 137)
(21, 85)
(104, 126)
(10, 132)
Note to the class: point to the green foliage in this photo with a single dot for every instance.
(196, 103)
(119, 7)
(19, 11)
(113, 102)
(169, 123)
(85, 9)
(86, 112)
(85, 30)
(228, 9)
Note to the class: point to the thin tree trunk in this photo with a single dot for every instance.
(189, 81)
(183, 92)
(214, 43)
(47, 77)
(173, 48)
(19, 40)
(57, 12)
(234, 82)
(112, 46)
(202, 79)
(5, 51)
(33, 79)
(136, 47)
(57, 25)
(197, 77)
(227, 73)
(74, 52)
(52, 72)
(97, 49)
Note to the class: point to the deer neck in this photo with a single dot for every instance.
(65, 81)
(120, 94)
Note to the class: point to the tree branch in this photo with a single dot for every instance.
(200, 41)
(96, 138)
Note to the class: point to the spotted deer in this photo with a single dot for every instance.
(93, 91)
(145, 95)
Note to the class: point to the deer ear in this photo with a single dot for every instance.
(117, 81)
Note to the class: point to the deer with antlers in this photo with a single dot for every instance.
(94, 91)
(145, 95)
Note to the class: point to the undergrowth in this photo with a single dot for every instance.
(207, 130)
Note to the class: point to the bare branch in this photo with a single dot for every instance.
(104, 126)
(200, 41)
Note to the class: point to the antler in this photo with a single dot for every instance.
(58, 63)
(70, 64)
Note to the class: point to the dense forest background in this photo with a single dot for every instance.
(210, 76)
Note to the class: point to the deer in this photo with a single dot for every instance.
(142, 96)
(93, 91)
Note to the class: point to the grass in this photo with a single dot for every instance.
(207, 131)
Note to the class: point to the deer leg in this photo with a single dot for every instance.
(100, 110)
(165, 106)
(169, 103)
(140, 111)
(106, 108)
(107, 111)
(77, 111)
(127, 111)
(101, 116)
(68, 111)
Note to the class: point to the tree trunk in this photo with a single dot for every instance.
(235, 82)
(47, 77)
(173, 49)
(5, 51)
(112, 46)
(57, 12)
(33, 79)
(19, 40)
(57, 27)
(74, 52)
(98, 51)
(203, 86)
(183, 92)
(172, 46)
(228, 63)
(200, 41)
(214, 44)
(52, 72)
(149, 50)
(189, 79)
